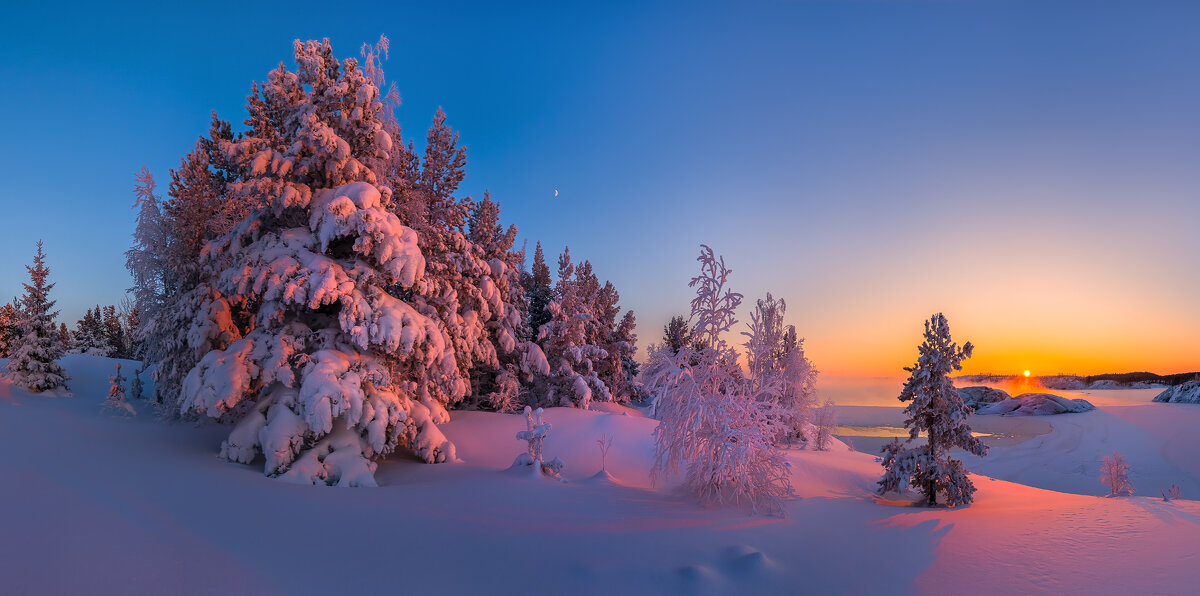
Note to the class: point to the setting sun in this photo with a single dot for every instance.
(1027, 373)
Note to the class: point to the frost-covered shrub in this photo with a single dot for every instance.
(712, 427)
(779, 370)
(936, 408)
(1114, 473)
(825, 421)
(534, 434)
(32, 360)
(1172, 493)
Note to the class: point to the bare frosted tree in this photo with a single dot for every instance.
(712, 428)
(1114, 474)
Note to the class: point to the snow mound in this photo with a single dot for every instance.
(1036, 404)
(746, 561)
(603, 477)
(1187, 393)
(977, 396)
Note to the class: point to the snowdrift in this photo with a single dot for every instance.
(116, 504)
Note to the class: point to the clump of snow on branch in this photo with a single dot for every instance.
(713, 430)
(1114, 473)
(936, 408)
(535, 434)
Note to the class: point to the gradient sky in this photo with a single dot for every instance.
(1030, 168)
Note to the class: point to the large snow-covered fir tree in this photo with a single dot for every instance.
(539, 290)
(936, 408)
(335, 365)
(32, 362)
(497, 384)
(567, 343)
(713, 428)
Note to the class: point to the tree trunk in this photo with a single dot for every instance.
(932, 490)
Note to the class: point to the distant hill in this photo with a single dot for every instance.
(1103, 381)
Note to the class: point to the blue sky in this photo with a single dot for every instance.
(1031, 168)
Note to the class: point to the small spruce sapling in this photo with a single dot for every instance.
(116, 393)
(535, 433)
(1115, 475)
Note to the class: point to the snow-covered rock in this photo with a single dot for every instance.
(1187, 393)
(977, 396)
(1036, 404)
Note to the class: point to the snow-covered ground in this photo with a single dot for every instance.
(99, 502)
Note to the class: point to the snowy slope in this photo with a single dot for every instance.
(101, 503)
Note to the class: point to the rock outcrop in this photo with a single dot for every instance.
(1035, 404)
(1187, 393)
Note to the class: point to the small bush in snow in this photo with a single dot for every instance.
(1115, 475)
(535, 433)
(605, 442)
(1172, 493)
(116, 393)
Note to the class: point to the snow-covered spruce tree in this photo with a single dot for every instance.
(1114, 474)
(469, 287)
(333, 370)
(677, 334)
(572, 379)
(64, 334)
(32, 362)
(539, 291)
(116, 393)
(161, 333)
(89, 337)
(935, 407)
(10, 319)
(712, 426)
(497, 385)
(617, 369)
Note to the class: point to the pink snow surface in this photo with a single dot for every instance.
(108, 504)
